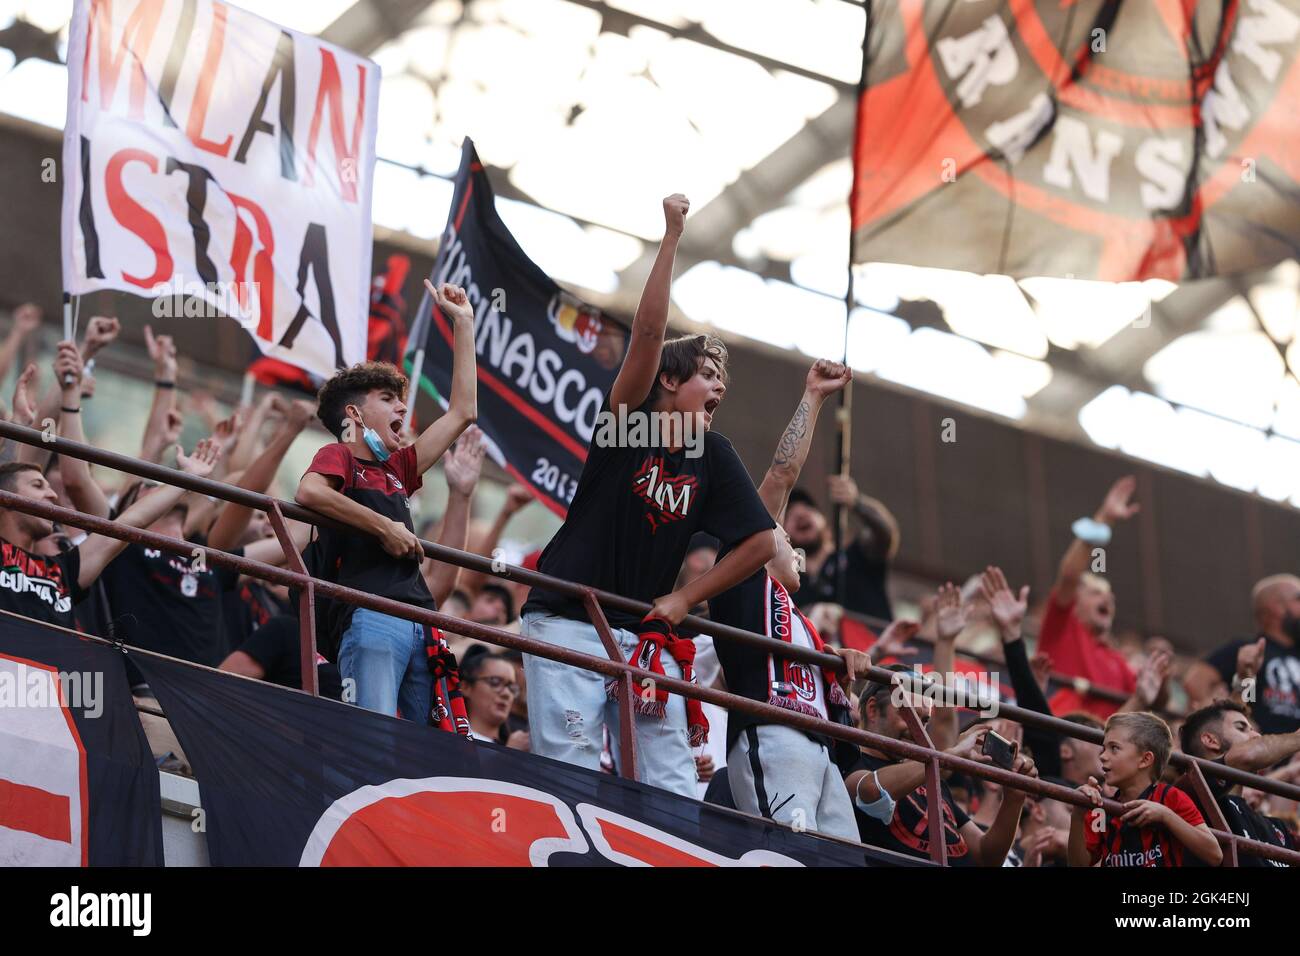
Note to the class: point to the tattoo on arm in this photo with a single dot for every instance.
(788, 447)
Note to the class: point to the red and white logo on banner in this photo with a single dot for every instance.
(469, 821)
(43, 789)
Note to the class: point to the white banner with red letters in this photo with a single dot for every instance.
(210, 153)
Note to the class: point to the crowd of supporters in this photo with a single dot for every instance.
(761, 558)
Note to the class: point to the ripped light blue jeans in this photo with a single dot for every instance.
(568, 709)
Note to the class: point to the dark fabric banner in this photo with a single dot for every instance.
(78, 785)
(1089, 139)
(291, 780)
(545, 358)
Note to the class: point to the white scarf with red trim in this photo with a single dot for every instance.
(785, 677)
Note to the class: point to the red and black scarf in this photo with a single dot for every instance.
(448, 711)
(656, 635)
(778, 621)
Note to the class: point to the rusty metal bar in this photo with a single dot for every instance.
(306, 603)
(934, 828)
(626, 712)
(1214, 814)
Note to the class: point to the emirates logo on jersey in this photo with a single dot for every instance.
(669, 496)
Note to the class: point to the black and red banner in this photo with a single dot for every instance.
(545, 358)
(291, 780)
(78, 785)
(1083, 138)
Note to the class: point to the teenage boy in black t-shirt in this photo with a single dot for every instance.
(775, 770)
(366, 480)
(45, 588)
(1223, 732)
(628, 529)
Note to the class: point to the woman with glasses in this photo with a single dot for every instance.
(488, 682)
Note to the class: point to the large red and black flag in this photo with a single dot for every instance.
(545, 358)
(287, 779)
(78, 785)
(1086, 138)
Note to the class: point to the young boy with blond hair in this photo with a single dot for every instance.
(1160, 826)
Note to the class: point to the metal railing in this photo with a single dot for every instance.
(923, 750)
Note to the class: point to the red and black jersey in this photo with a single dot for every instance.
(359, 560)
(1133, 846)
(44, 589)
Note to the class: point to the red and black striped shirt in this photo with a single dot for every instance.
(1134, 846)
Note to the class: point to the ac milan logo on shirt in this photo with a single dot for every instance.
(669, 495)
(801, 679)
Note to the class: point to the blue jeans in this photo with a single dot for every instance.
(385, 660)
(568, 709)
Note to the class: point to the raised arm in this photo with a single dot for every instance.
(163, 422)
(1260, 753)
(517, 497)
(824, 379)
(250, 433)
(27, 319)
(637, 376)
(1008, 611)
(1152, 684)
(233, 521)
(950, 621)
(462, 467)
(462, 405)
(879, 526)
(83, 491)
(1118, 506)
(97, 550)
(47, 410)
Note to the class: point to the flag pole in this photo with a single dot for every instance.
(417, 364)
(68, 331)
(844, 412)
(843, 441)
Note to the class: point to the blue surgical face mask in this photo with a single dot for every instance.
(375, 444)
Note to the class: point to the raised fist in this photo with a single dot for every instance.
(676, 207)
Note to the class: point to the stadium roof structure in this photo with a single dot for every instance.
(587, 111)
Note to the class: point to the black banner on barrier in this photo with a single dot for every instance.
(291, 780)
(78, 786)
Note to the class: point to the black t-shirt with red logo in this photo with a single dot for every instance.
(1276, 707)
(632, 518)
(908, 831)
(168, 603)
(357, 559)
(44, 589)
(1152, 847)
